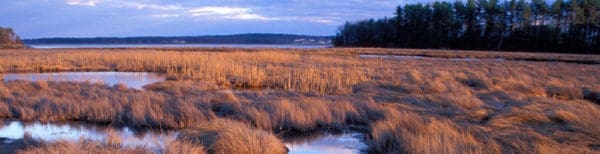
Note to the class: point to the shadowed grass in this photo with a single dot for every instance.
(405, 106)
(411, 133)
(88, 146)
(227, 136)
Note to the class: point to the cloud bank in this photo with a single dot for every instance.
(88, 18)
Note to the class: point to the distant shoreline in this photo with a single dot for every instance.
(187, 45)
(270, 39)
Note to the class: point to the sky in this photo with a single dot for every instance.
(121, 18)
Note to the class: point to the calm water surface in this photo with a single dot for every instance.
(316, 143)
(130, 79)
(74, 131)
(324, 143)
(53, 46)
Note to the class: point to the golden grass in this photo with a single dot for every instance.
(99, 104)
(227, 136)
(112, 144)
(506, 55)
(406, 106)
(88, 146)
(60, 147)
(281, 70)
(179, 147)
(411, 133)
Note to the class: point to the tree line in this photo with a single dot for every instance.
(214, 39)
(515, 25)
(8, 38)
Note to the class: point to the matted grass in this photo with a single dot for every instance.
(404, 105)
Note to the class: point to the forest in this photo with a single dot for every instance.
(207, 39)
(514, 25)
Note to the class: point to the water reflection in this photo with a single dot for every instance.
(130, 79)
(295, 46)
(314, 143)
(73, 131)
(321, 143)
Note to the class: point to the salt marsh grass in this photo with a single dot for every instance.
(404, 106)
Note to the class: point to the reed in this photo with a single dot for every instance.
(227, 136)
(404, 105)
(267, 69)
(112, 144)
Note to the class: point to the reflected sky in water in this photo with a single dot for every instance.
(325, 143)
(344, 143)
(75, 131)
(57, 46)
(131, 79)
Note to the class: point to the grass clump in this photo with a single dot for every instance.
(404, 105)
(227, 136)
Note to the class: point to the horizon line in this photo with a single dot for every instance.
(233, 34)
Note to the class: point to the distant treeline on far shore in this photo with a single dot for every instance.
(513, 25)
(209, 39)
(8, 39)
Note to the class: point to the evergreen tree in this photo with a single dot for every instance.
(561, 26)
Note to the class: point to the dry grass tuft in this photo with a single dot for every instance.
(83, 146)
(182, 147)
(405, 105)
(411, 133)
(562, 116)
(113, 139)
(100, 104)
(227, 136)
(261, 69)
(113, 144)
(564, 93)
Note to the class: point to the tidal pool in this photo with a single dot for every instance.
(74, 131)
(131, 79)
(314, 143)
(347, 142)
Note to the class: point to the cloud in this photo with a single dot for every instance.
(149, 17)
(151, 6)
(328, 13)
(250, 16)
(217, 10)
(222, 11)
(83, 2)
(320, 20)
(227, 12)
(165, 15)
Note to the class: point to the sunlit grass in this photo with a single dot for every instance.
(405, 106)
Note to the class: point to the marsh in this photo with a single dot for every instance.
(400, 105)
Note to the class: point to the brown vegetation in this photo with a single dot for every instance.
(515, 56)
(228, 136)
(59, 147)
(109, 146)
(406, 106)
